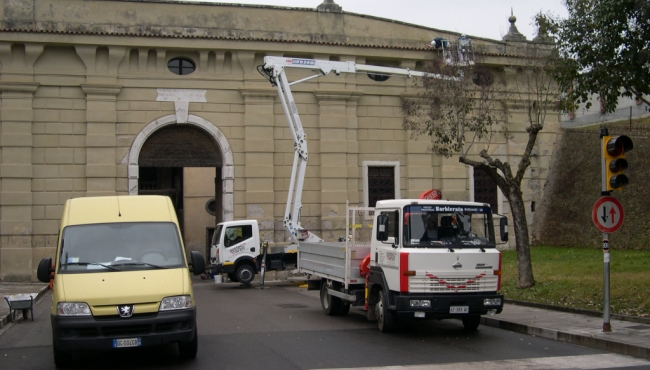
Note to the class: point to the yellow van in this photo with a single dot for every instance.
(120, 278)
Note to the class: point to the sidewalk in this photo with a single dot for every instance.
(629, 335)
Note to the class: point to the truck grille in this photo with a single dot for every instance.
(425, 282)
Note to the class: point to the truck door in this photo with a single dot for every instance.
(385, 254)
(238, 242)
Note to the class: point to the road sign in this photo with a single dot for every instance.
(607, 214)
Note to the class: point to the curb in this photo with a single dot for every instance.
(637, 319)
(573, 338)
(4, 320)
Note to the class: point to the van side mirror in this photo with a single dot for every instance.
(503, 228)
(198, 263)
(382, 227)
(44, 270)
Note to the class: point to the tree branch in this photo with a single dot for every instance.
(532, 130)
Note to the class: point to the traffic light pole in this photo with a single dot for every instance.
(607, 327)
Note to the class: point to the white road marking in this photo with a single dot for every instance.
(603, 361)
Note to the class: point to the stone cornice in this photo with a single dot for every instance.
(337, 95)
(18, 87)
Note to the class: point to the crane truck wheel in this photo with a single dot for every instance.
(332, 306)
(471, 323)
(385, 317)
(245, 274)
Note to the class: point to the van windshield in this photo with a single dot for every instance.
(442, 226)
(120, 246)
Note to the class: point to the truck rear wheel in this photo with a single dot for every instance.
(386, 319)
(332, 306)
(345, 308)
(245, 274)
(471, 323)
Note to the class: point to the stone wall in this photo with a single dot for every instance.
(574, 186)
(79, 87)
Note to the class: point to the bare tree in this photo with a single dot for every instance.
(474, 111)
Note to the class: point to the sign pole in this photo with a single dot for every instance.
(607, 327)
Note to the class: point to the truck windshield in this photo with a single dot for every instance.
(448, 226)
(119, 247)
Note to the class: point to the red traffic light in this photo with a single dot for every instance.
(618, 145)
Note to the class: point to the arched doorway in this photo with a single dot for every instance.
(192, 164)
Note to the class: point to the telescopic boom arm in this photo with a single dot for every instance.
(274, 69)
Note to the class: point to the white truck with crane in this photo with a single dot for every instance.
(423, 259)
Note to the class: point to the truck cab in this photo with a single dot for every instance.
(234, 250)
(434, 259)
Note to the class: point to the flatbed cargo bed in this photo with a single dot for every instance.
(329, 260)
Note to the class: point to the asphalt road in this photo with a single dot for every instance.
(283, 327)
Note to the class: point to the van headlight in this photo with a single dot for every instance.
(178, 302)
(72, 309)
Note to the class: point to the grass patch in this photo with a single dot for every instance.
(573, 277)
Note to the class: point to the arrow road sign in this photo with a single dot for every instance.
(607, 214)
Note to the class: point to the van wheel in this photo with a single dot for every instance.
(188, 350)
(386, 319)
(245, 274)
(471, 323)
(331, 305)
(61, 359)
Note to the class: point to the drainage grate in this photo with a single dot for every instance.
(638, 327)
(292, 305)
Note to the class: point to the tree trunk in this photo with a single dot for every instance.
(524, 265)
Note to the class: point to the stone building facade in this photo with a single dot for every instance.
(163, 97)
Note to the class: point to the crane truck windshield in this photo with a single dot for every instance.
(431, 226)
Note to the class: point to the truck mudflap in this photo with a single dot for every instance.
(448, 306)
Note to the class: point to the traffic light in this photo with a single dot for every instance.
(614, 149)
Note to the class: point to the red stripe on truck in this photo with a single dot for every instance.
(403, 267)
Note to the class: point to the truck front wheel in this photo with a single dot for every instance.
(332, 306)
(245, 274)
(385, 318)
(471, 323)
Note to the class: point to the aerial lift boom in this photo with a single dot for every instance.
(274, 70)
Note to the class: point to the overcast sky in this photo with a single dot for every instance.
(484, 18)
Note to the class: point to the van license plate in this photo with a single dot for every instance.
(459, 309)
(127, 342)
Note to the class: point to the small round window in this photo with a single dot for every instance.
(181, 66)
